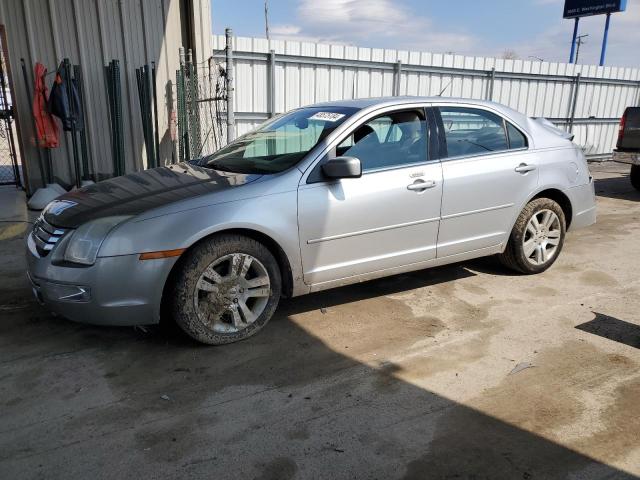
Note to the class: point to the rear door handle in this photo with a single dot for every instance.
(421, 185)
(524, 168)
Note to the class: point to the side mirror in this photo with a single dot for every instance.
(343, 167)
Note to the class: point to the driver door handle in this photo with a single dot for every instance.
(421, 185)
(524, 168)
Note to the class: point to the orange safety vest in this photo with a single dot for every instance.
(46, 126)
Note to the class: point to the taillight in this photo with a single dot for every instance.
(623, 120)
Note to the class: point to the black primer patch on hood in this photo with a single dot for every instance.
(139, 192)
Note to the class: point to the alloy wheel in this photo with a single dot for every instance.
(542, 237)
(232, 292)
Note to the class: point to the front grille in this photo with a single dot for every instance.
(46, 236)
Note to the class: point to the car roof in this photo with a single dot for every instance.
(365, 104)
(389, 101)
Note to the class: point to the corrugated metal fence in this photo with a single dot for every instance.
(276, 76)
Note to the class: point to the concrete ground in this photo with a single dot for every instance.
(416, 376)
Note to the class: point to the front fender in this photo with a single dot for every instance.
(273, 215)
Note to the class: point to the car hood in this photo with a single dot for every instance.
(139, 192)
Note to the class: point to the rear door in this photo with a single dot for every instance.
(488, 172)
(388, 217)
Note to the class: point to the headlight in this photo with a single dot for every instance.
(85, 242)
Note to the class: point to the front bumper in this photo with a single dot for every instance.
(119, 290)
(632, 158)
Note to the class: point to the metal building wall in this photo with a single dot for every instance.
(306, 73)
(92, 33)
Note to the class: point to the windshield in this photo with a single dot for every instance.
(280, 143)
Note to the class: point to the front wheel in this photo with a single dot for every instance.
(227, 288)
(537, 237)
(635, 176)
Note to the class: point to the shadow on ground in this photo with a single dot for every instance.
(613, 329)
(81, 401)
(617, 187)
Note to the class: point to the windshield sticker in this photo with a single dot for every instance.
(327, 116)
(58, 206)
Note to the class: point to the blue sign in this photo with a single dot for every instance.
(585, 8)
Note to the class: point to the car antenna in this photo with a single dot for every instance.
(446, 86)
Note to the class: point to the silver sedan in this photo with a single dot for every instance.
(315, 198)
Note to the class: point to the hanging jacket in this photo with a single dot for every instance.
(46, 127)
(59, 104)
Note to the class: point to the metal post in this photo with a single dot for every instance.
(492, 79)
(231, 134)
(574, 103)
(397, 71)
(117, 92)
(155, 113)
(49, 164)
(77, 75)
(272, 83)
(183, 129)
(573, 42)
(73, 118)
(111, 105)
(604, 39)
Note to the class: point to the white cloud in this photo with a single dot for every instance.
(377, 23)
(285, 30)
(372, 16)
(391, 24)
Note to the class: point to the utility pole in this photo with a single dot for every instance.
(266, 18)
(579, 41)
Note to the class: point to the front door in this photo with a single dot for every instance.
(387, 218)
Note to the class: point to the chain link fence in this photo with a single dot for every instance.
(9, 169)
(201, 94)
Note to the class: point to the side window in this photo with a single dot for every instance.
(471, 131)
(516, 138)
(390, 140)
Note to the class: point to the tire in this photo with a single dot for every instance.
(518, 256)
(213, 301)
(635, 176)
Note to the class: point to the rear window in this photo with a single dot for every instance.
(516, 137)
(471, 131)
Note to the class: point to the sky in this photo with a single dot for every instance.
(471, 27)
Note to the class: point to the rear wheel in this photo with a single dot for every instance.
(635, 176)
(226, 290)
(537, 237)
